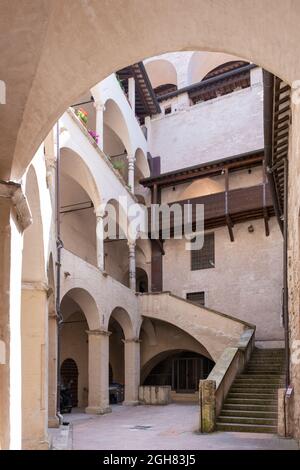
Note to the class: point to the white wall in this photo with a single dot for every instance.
(214, 129)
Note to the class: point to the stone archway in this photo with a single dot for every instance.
(125, 354)
(194, 25)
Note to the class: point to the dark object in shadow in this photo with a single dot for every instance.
(116, 393)
(65, 399)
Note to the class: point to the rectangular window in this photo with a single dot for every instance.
(168, 110)
(204, 258)
(196, 297)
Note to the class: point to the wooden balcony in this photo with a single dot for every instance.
(227, 208)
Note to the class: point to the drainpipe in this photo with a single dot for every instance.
(285, 275)
(59, 246)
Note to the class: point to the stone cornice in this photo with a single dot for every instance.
(35, 285)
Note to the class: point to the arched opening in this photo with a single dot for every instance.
(69, 379)
(79, 197)
(161, 73)
(120, 327)
(80, 314)
(225, 67)
(116, 250)
(180, 369)
(142, 284)
(117, 142)
(141, 171)
(170, 356)
(203, 63)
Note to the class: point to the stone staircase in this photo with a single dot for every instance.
(251, 404)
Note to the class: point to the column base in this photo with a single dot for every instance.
(53, 422)
(33, 444)
(131, 403)
(95, 410)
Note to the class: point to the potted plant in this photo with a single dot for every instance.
(118, 165)
(83, 115)
(94, 135)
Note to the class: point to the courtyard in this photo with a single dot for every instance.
(169, 427)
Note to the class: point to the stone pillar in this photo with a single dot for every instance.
(100, 108)
(131, 263)
(98, 401)
(100, 239)
(53, 420)
(131, 163)
(14, 218)
(293, 260)
(207, 404)
(131, 93)
(132, 371)
(34, 332)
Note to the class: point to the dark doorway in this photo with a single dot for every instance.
(141, 280)
(182, 371)
(69, 378)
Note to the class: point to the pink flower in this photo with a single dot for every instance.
(94, 135)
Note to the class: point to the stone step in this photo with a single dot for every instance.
(247, 420)
(250, 385)
(261, 370)
(250, 407)
(254, 389)
(245, 428)
(249, 413)
(267, 365)
(262, 376)
(251, 401)
(260, 382)
(272, 396)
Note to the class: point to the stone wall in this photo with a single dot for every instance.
(246, 281)
(214, 129)
(293, 268)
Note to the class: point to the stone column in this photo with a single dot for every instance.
(100, 108)
(34, 332)
(100, 239)
(132, 371)
(131, 93)
(14, 218)
(131, 163)
(98, 401)
(131, 263)
(53, 420)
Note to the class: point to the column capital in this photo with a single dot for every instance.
(14, 191)
(131, 244)
(100, 213)
(36, 286)
(131, 340)
(98, 332)
(99, 105)
(131, 159)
